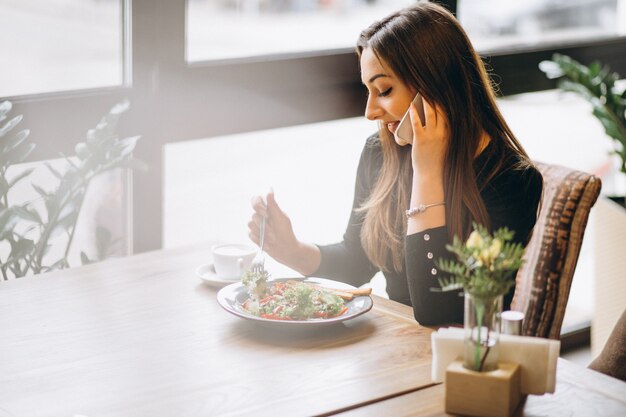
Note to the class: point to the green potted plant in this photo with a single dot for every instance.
(484, 269)
(28, 229)
(598, 85)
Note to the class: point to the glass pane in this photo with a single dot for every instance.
(56, 45)
(222, 29)
(535, 21)
(105, 207)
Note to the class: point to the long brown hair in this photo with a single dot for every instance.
(427, 49)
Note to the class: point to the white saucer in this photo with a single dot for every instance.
(207, 274)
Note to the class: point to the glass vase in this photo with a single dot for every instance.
(482, 332)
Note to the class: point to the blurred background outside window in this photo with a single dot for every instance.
(223, 29)
(510, 24)
(59, 45)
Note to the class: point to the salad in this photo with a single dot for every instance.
(291, 300)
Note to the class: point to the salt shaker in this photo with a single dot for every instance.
(511, 322)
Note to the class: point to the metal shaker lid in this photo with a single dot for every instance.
(511, 322)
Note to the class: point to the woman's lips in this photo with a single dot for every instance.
(392, 126)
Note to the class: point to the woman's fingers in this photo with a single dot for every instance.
(253, 234)
(265, 209)
(431, 114)
(441, 122)
(279, 239)
(254, 230)
(269, 240)
(259, 205)
(416, 122)
(436, 122)
(431, 120)
(272, 205)
(255, 221)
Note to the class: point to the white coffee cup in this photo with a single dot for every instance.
(232, 259)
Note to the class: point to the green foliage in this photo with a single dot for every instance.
(595, 83)
(27, 230)
(486, 263)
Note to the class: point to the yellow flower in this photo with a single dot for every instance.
(495, 249)
(474, 240)
(489, 254)
(485, 257)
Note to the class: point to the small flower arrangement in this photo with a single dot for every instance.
(484, 268)
(485, 263)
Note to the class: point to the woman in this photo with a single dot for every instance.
(465, 164)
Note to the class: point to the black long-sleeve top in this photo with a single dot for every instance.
(511, 199)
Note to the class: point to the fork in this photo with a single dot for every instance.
(258, 263)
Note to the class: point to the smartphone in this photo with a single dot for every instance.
(405, 130)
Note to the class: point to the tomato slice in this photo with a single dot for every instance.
(266, 300)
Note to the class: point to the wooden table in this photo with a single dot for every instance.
(579, 392)
(143, 336)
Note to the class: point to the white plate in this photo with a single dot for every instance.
(233, 296)
(207, 274)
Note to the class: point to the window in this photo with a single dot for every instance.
(102, 228)
(224, 29)
(58, 45)
(531, 22)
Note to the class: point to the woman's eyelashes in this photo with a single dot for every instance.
(385, 93)
(381, 94)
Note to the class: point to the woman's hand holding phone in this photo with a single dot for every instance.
(430, 143)
(430, 140)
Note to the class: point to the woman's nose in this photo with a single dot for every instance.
(372, 110)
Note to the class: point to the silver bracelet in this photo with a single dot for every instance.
(421, 208)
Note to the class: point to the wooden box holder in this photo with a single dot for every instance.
(485, 394)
